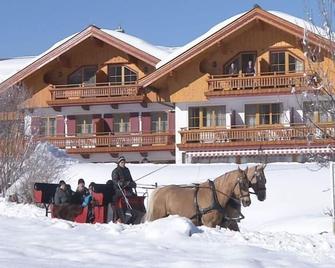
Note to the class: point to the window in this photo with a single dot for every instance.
(121, 75)
(211, 117)
(295, 65)
(48, 126)
(193, 117)
(159, 122)
(263, 114)
(240, 62)
(319, 112)
(277, 60)
(84, 124)
(121, 123)
(284, 62)
(84, 75)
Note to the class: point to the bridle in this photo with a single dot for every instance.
(259, 176)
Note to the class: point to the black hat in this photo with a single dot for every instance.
(81, 180)
(121, 158)
(61, 182)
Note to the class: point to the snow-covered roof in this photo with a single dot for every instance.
(158, 52)
(196, 41)
(297, 21)
(11, 66)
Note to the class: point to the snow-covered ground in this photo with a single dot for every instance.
(288, 229)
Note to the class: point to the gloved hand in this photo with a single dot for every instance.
(132, 184)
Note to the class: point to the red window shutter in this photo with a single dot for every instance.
(171, 122)
(35, 125)
(60, 127)
(71, 125)
(146, 122)
(108, 122)
(134, 123)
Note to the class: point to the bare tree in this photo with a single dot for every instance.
(23, 160)
(317, 101)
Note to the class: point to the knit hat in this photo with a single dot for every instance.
(61, 182)
(121, 158)
(81, 180)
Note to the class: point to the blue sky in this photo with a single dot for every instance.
(31, 27)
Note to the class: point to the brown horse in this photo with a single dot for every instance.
(203, 203)
(257, 182)
(67, 211)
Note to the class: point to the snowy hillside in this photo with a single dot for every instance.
(289, 228)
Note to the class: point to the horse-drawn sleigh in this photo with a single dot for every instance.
(131, 209)
(211, 203)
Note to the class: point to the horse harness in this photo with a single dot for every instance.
(215, 205)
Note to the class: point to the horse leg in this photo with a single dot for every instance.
(232, 212)
(212, 219)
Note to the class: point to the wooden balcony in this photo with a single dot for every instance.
(90, 94)
(260, 84)
(264, 137)
(110, 143)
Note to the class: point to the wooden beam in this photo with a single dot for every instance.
(85, 156)
(85, 107)
(144, 104)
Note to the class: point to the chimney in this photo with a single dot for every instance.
(119, 29)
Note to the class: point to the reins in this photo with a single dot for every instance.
(152, 172)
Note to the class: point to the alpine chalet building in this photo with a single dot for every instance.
(234, 94)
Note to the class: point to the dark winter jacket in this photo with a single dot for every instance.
(79, 196)
(121, 176)
(62, 196)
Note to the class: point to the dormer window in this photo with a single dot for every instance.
(121, 75)
(83, 75)
(285, 62)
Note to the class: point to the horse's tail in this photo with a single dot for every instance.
(150, 209)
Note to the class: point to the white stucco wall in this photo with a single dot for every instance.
(237, 104)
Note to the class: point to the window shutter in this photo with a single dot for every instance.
(134, 123)
(71, 125)
(171, 122)
(146, 122)
(60, 127)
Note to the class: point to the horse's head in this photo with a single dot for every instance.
(257, 181)
(241, 189)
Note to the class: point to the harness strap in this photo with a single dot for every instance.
(197, 210)
(214, 206)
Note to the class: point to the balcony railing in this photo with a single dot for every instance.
(109, 143)
(94, 93)
(264, 83)
(260, 136)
